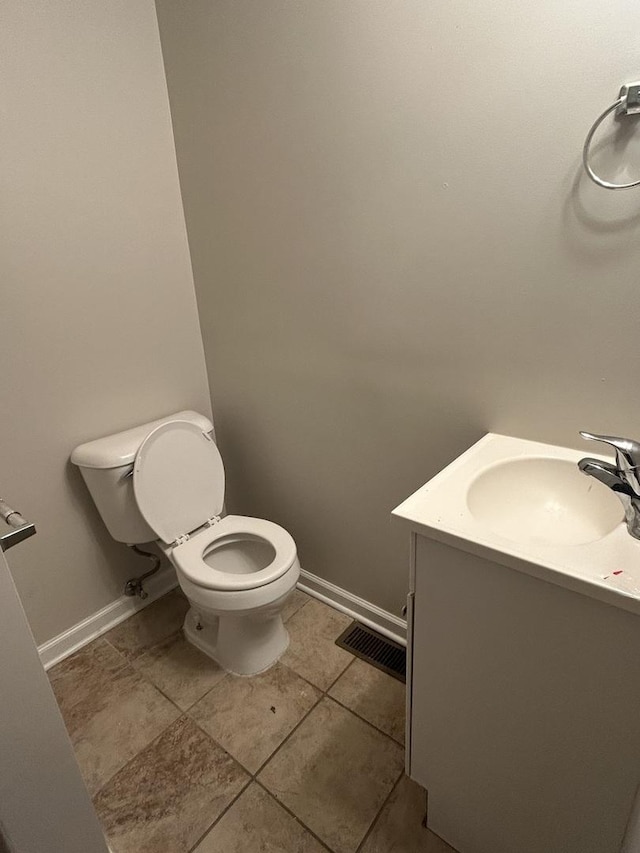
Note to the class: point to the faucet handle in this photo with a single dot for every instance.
(607, 474)
(627, 450)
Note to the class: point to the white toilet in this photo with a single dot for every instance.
(165, 480)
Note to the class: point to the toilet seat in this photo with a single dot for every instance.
(188, 556)
(178, 481)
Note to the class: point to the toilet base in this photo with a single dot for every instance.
(241, 644)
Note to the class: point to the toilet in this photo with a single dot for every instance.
(164, 481)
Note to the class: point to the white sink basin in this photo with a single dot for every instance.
(543, 500)
(527, 506)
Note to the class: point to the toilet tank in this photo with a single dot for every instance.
(106, 465)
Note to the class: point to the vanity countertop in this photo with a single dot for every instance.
(605, 568)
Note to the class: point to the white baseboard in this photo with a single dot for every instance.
(60, 647)
(375, 617)
(74, 638)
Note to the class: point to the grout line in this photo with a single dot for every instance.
(181, 713)
(368, 722)
(135, 664)
(111, 646)
(224, 810)
(335, 680)
(133, 757)
(220, 746)
(379, 812)
(253, 777)
(315, 686)
(146, 678)
(294, 729)
(248, 781)
(204, 695)
(298, 609)
(293, 815)
(323, 695)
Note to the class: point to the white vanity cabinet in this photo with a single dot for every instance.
(523, 695)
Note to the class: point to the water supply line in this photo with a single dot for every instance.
(134, 585)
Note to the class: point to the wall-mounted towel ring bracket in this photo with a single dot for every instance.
(628, 104)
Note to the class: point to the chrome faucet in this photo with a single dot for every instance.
(623, 478)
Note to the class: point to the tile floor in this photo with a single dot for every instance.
(179, 756)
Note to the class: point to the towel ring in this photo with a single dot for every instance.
(628, 103)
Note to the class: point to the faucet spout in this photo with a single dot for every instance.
(611, 477)
(627, 456)
(606, 473)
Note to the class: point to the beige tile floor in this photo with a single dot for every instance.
(180, 756)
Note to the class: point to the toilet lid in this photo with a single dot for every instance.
(178, 479)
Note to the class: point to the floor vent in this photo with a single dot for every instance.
(375, 649)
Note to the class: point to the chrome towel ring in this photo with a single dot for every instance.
(628, 104)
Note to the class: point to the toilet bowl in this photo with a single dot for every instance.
(236, 572)
(237, 575)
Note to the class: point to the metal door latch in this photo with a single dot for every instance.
(21, 528)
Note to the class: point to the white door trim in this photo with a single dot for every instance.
(44, 804)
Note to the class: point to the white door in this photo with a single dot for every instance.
(44, 805)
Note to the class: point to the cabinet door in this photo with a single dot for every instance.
(525, 702)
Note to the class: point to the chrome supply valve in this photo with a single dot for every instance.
(134, 586)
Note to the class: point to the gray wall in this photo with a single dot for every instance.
(393, 248)
(98, 327)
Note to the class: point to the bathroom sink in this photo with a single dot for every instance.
(524, 607)
(543, 500)
(527, 506)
